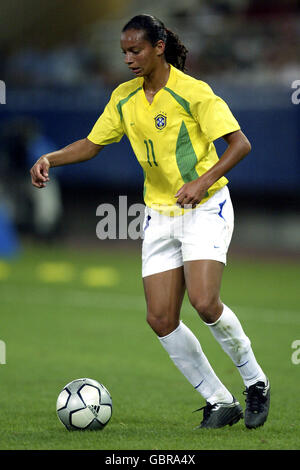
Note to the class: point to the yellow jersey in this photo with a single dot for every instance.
(172, 137)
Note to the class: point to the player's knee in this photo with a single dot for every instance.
(209, 307)
(162, 324)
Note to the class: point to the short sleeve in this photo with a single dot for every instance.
(215, 117)
(108, 128)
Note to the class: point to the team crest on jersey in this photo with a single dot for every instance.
(160, 121)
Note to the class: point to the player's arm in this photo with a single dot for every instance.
(238, 147)
(77, 152)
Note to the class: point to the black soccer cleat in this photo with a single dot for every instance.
(257, 404)
(219, 415)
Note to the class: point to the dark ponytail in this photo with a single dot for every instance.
(175, 51)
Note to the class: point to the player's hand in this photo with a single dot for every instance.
(191, 193)
(39, 173)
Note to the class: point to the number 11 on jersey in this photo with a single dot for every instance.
(148, 144)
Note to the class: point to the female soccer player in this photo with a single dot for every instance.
(172, 120)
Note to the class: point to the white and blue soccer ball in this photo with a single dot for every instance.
(84, 404)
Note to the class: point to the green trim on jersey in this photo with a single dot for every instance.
(185, 155)
(124, 100)
(185, 104)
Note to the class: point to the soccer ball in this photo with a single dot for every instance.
(84, 404)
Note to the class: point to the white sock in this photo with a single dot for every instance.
(229, 333)
(185, 351)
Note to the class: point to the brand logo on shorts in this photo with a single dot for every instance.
(160, 121)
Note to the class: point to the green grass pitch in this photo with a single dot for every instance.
(67, 314)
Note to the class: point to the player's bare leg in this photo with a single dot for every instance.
(203, 282)
(164, 295)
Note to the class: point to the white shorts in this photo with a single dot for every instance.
(201, 233)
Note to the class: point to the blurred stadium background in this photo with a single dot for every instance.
(60, 62)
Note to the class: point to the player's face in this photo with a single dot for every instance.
(140, 56)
